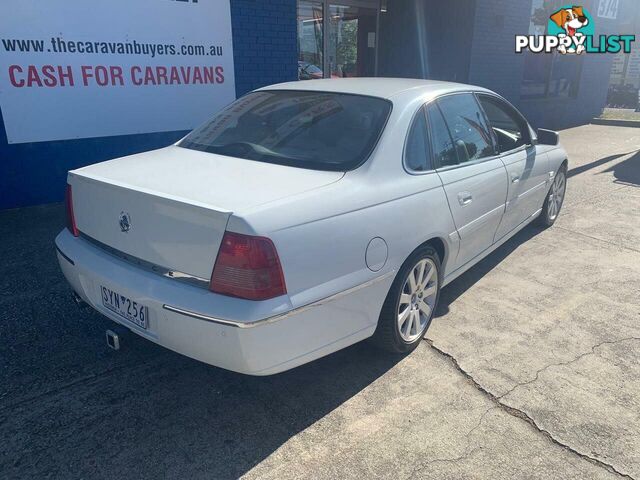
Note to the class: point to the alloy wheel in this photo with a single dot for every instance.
(417, 300)
(556, 195)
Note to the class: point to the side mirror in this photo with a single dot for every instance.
(548, 137)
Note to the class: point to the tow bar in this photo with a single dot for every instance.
(113, 340)
(115, 335)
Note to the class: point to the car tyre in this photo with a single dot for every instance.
(554, 199)
(411, 302)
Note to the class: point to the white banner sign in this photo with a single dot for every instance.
(93, 68)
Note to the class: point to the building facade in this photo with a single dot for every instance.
(469, 41)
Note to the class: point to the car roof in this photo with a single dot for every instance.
(375, 86)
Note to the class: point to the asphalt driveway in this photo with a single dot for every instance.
(530, 370)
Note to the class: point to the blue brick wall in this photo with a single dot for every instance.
(265, 49)
(265, 52)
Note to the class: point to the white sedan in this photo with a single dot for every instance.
(306, 217)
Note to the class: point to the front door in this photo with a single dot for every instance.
(343, 46)
(473, 177)
(526, 170)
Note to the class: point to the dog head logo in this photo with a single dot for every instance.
(570, 19)
(571, 24)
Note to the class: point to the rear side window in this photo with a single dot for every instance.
(471, 135)
(444, 154)
(315, 130)
(510, 129)
(417, 155)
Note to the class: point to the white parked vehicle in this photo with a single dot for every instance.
(307, 216)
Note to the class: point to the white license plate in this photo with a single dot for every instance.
(125, 307)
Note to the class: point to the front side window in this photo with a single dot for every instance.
(305, 129)
(471, 136)
(417, 153)
(510, 130)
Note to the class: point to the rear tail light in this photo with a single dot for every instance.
(247, 267)
(71, 220)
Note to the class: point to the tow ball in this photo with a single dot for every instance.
(113, 340)
(114, 336)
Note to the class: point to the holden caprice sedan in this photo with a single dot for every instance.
(306, 217)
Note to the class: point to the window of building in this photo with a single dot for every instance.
(509, 128)
(549, 74)
(338, 38)
(417, 155)
(470, 133)
(310, 40)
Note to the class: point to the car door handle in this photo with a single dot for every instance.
(465, 198)
(515, 178)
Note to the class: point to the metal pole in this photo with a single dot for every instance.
(375, 66)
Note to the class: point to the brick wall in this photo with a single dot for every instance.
(265, 49)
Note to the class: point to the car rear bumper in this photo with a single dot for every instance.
(196, 323)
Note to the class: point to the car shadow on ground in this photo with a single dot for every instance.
(202, 421)
(464, 282)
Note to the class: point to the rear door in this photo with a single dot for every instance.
(473, 177)
(526, 171)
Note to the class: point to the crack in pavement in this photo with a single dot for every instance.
(524, 416)
(444, 460)
(467, 453)
(563, 364)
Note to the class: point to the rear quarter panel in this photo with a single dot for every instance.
(322, 237)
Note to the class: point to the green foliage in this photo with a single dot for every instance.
(347, 49)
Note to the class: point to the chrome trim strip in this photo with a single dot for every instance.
(279, 316)
(148, 266)
(64, 256)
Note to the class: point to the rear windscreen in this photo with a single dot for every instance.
(316, 130)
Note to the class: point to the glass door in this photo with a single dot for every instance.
(310, 40)
(351, 49)
(345, 45)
